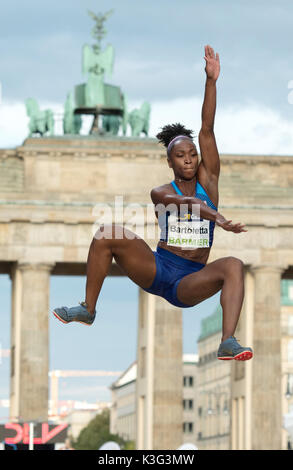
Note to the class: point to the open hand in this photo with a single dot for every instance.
(212, 67)
(226, 225)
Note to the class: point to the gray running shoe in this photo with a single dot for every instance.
(79, 314)
(230, 349)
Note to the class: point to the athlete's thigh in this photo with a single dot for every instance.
(198, 286)
(133, 255)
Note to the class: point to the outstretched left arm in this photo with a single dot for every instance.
(207, 142)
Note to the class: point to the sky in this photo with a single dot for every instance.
(159, 50)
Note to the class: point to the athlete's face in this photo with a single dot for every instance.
(183, 159)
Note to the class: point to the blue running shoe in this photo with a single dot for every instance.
(79, 314)
(230, 349)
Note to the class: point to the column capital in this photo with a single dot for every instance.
(268, 267)
(38, 266)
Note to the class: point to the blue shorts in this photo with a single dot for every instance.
(171, 269)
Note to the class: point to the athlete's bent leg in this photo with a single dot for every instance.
(131, 253)
(226, 274)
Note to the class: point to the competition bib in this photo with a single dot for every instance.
(188, 231)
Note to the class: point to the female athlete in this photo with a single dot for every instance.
(178, 270)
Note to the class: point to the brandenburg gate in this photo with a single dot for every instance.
(49, 188)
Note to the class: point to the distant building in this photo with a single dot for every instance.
(287, 355)
(214, 392)
(213, 387)
(223, 386)
(123, 413)
(80, 416)
(78, 420)
(190, 379)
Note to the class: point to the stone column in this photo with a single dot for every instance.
(30, 341)
(266, 399)
(159, 383)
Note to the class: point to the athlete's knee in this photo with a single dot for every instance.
(102, 234)
(234, 265)
(108, 232)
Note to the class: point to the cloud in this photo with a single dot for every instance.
(247, 129)
(14, 122)
(168, 40)
(250, 129)
(254, 62)
(254, 129)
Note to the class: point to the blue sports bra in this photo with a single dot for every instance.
(200, 193)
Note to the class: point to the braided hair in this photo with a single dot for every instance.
(172, 130)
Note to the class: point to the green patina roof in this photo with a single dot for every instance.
(213, 323)
(287, 292)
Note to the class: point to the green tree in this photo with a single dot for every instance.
(97, 432)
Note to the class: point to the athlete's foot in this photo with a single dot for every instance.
(231, 349)
(79, 314)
